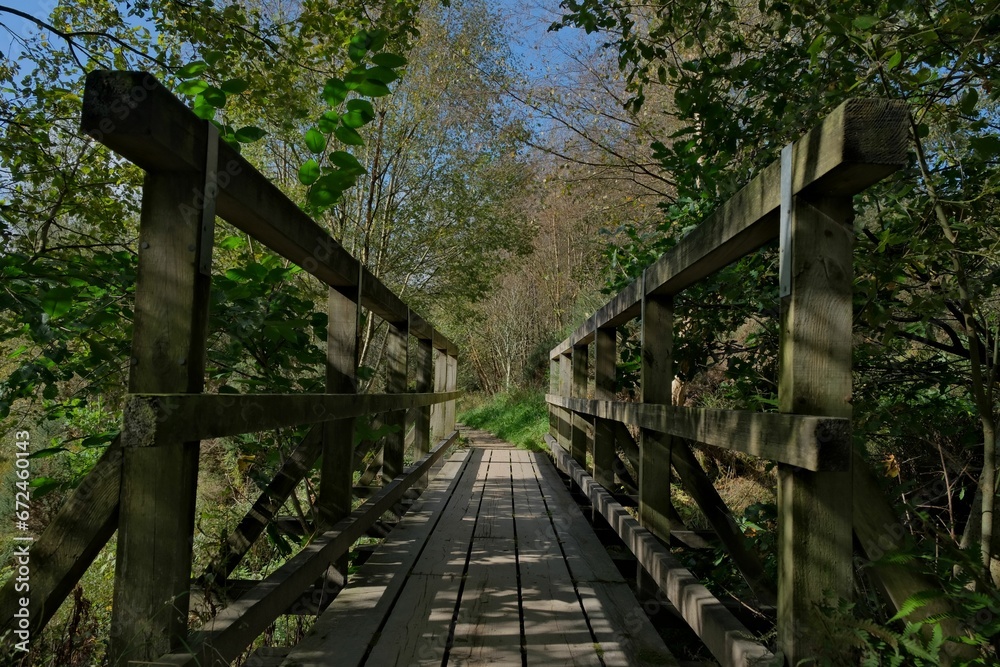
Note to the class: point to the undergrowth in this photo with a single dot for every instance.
(519, 417)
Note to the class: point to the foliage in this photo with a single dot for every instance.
(520, 417)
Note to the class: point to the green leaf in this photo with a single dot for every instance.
(212, 57)
(383, 74)
(235, 86)
(894, 59)
(969, 102)
(192, 69)
(43, 486)
(389, 60)
(205, 111)
(372, 88)
(57, 302)
(353, 119)
(334, 92)
(364, 107)
(327, 123)
(315, 140)
(914, 602)
(349, 136)
(249, 134)
(45, 453)
(347, 162)
(309, 172)
(377, 39)
(817, 45)
(356, 52)
(865, 22)
(232, 242)
(192, 86)
(214, 96)
(322, 196)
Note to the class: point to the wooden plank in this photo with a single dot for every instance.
(417, 630)
(656, 386)
(578, 387)
(809, 442)
(155, 419)
(487, 629)
(67, 547)
(343, 634)
(621, 627)
(858, 144)
(270, 501)
(556, 630)
(228, 634)
(396, 370)
(606, 355)
(157, 500)
(815, 544)
(724, 636)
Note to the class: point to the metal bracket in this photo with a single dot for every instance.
(209, 194)
(785, 233)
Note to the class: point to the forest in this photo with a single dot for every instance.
(506, 168)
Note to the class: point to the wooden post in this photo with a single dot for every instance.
(440, 382)
(657, 376)
(566, 389)
(451, 385)
(422, 423)
(604, 390)
(156, 526)
(814, 508)
(337, 467)
(579, 390)
(395, 383)
(555, 414)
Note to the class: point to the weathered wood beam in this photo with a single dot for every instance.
(138, 118)
(725, 637)
(655, 388)
(70, 543)
(158, 487)
(291, 472)
(222, 639)
(396, 370)
(861, 142)
(812, 443)
(152, 420)
(578, 387)
(815, 541)
(605, 456)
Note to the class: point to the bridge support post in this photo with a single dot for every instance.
(815, 545)
(396, 367)
(337, 466)
(157, 501)
(422, 419)
(657, 375)
(440, 383)
(566, 389)
(578, 387)
(604, 390)
(555, 414)
(452, 384)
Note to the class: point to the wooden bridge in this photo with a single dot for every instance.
(494, 561)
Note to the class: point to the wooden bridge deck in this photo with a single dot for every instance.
(495, 565)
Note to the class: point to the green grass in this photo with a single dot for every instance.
(520, 417)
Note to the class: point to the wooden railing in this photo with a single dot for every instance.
(824, 489)
(144, 486)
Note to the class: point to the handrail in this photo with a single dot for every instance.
(808, 195)
(145, 484)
